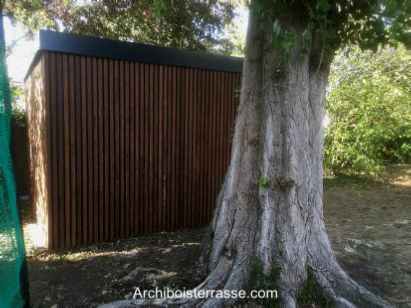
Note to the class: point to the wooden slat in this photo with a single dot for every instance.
(202, 143)
(112, 141)
(164, 86)
(90, 150)
(51, 80)
(126, 148)
(208, 146)
(84, 130)
(72, 154)
(190, 166)
(150, 144)
(100, 147)
(66, 150)
(168, 150)
(161, 141)
(174, 130)
(195, 204)
(106, 149)
(186, 174)
(116, 144)
(78, 147)
(148, 161)
(155, 113)
(141, 149)
(217, 177)
(137, 154)
(131, 141)
(95, 154)
(180, 149)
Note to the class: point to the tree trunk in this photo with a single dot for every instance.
(269, 213)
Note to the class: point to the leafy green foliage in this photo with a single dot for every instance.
(334, 24)
(364, 23)
(16, 91)
(283, 39)
(178, 23)
(175, 23)
(264, 182)
(370, 111)
(35, 14)
(19, 116)
(18, 113)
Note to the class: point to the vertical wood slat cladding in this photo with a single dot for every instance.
(133, 148)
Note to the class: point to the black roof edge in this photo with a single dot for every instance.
(120, 50)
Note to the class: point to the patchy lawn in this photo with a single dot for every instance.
(369, 223)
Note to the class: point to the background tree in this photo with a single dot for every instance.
(232, 42)
(175, 23)
(269, 215)
(369, 108)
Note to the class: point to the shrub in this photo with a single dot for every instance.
(369, 105)
(18, 114)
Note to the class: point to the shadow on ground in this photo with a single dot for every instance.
(369, 223)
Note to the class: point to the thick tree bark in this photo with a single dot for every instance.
(270, 207)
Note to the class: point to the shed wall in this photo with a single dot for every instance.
(134, 148)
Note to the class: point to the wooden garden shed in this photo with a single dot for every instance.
(125, 138)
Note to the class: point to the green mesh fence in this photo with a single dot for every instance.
(13, 291)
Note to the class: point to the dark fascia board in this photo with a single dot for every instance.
(106, 48)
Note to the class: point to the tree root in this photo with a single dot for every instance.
(311, 268)
(339, 289)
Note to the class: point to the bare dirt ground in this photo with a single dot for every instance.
(369, 223)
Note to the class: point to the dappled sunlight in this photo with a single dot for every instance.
(86, 255)
(103, 272)
(399, 175)
(119, 249)
(34, 236)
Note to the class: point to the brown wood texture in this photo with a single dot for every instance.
(133, 148)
